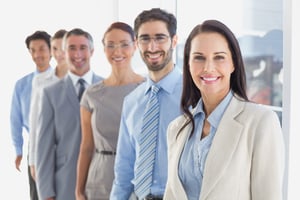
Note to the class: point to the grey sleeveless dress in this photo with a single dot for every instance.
(105, 104)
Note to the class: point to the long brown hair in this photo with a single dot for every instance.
(190, 93)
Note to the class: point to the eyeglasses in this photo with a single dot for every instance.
(158, 39)
(122, 45)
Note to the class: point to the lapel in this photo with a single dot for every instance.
(178, 149)
(70, 92)
(223, 146)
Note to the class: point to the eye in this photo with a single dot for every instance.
(83, 47)
(110, 46)
(124, 45)
(144, 39)
(219, 57)
(160, 38)
(198, 58)
(72, 48)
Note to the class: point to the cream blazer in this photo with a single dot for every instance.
(246, 159)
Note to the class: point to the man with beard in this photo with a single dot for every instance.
(135, 178)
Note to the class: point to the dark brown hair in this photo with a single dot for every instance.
(190, 93)
(38, 35)
(156, 14)
(121, 26)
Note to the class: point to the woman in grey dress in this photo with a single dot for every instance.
(101, 107)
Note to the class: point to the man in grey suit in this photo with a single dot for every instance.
(58, 129)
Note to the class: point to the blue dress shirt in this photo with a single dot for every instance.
(20, 107)
(130, 127)
(192, 161)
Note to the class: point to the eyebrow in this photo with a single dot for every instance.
(219, 52)
(157, 34)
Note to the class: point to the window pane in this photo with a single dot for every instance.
(258, 27)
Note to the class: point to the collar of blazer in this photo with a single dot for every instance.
(223, 147)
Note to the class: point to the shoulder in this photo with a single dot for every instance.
(251, 112)
(176, 124)
(43, 78)
(136, 93)
(174, 127)
(56, 84)
(26, 78)
(95, 87)
(258, 110)
(97, 78)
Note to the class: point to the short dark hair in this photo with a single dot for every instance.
(38, 35)
(121, 26)
(156, 14)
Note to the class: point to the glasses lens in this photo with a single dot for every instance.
(158, 39)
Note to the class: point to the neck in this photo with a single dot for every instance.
(122, 77)
(156, 76)
(42, 68)
(61, 70)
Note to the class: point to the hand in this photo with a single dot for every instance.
(32, 172)
(18, 162)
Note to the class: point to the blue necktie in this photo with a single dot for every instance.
(147, 142)
(81, 88)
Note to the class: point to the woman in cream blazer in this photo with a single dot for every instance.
(245, 160)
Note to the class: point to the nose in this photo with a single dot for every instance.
(152, 44)
(209, 66)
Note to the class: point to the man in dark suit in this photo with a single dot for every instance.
(59, 130)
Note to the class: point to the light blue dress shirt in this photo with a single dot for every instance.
(192, 161)
(130, 127)
(20, 107)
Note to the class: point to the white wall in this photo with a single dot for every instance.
(18, 19)
(291, 95)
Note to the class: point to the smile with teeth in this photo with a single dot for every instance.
(209, 79)
(154, 56)
(118, 59)
(77, 60)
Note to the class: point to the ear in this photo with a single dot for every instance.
(232, 69)
(174, 41)
(92, 51)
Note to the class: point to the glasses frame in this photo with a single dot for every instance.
(122, 45)
(157, 39)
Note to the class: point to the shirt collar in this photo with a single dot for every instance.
(88, 77)
(38, 72)
(167, 83)
(215, 117)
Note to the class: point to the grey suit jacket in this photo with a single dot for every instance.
(246, 159)
(58, 141)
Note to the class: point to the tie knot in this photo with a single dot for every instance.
(155, 89)
(81, 81)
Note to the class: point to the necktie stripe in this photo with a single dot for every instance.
(147, 140)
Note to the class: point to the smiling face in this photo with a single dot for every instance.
(40, 54)
(211, 64)
(155, 45)
(78, 54)
(119, 48)
(57, 51)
